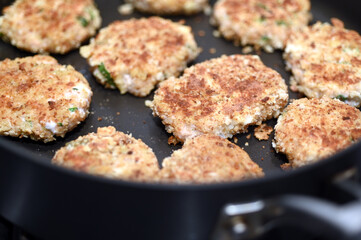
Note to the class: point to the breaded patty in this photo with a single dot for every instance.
(326, 61)
(110, 154)
(166, 7)
(51, 26)
(263, 23)
(134, 55)
(40, 98)
(313, 129)
(222, 96)
(206, 159)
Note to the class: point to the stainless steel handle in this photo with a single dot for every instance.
(333, 221)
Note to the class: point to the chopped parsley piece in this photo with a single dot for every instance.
(75, 89)
(348, 49)
(261, 5)
(281, 22)
(30, 123)
(83, 21)
(91, 13)
(341, 97)
(73, 109)
(262, 19)
(265, 39)
(106, 74)
(60, 124)
(1, 35)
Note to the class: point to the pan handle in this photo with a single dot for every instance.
(253, 219)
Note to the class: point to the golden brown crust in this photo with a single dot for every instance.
(167, 7)
(110, 154)
(206, 159)
(313, 129)
(263, 23)
(40, 98)
(262, 132)
(222, 96)
(139, 53)
(53, 26)
(325, 61)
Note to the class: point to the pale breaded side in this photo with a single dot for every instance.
(263, 23)
(40, 98)
(134, 55)
(326, 61)
(110, 154)
(51, 26)
(312, 129)
(169, 7)
(222, 96)
(206, 159)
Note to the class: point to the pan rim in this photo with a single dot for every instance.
(40, 161)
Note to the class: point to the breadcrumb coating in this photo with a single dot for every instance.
(134, 55)
(110, 154)
(40, 98)
(326, 61)
(169, 7)
(312, 129)
(222, 96)
(51, 26)
(207, 159)
(263, 23)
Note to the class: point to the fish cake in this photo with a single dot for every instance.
(134, 55)
(111, 154)
(206, 159)
(263, 23)
(221, 96)
(51, 26)
(325, 60)
(313, 129)
(169, 7)
(40, 98)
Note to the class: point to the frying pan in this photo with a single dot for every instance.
(55, 203)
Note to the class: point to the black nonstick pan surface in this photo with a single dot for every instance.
(40, 198)
(129, 114)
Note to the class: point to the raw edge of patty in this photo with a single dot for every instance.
(111, 154)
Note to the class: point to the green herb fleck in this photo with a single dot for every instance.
(30, 122)
(281, 23)
(262, 19)
(265, 39)
(60, 124)
(261, 5)
(75, 89)
(106, 74)
(83, 21)
(348, 49)
(341, 98)
(351, 139)
(1, 35)
(91, 13)
(73, 109)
